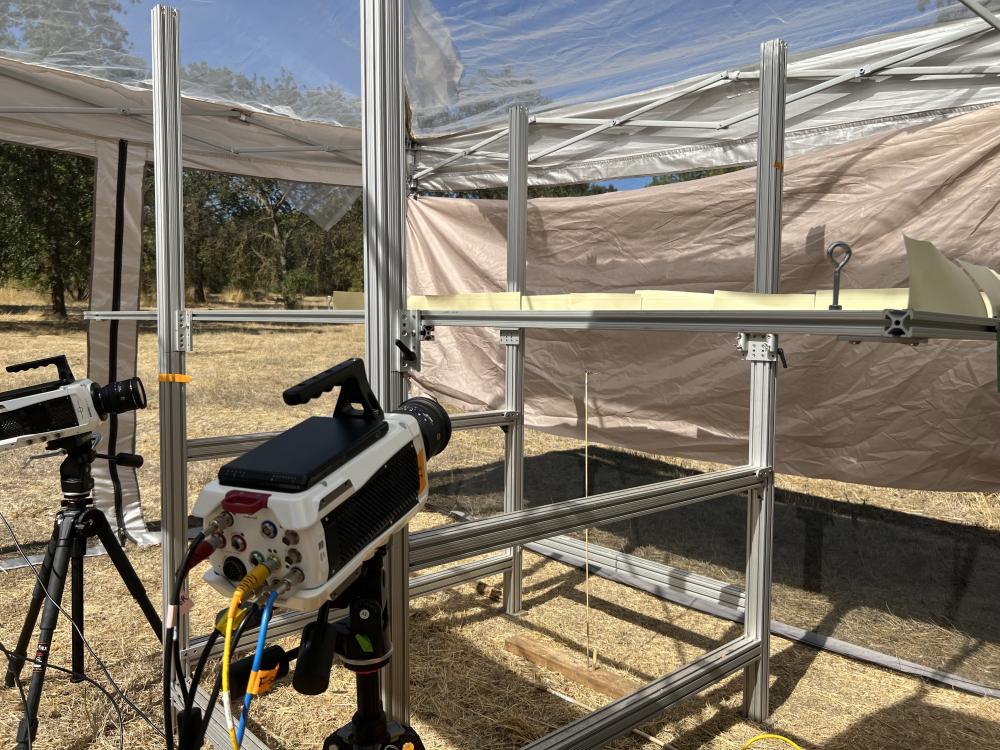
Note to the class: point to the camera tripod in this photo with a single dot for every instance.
(76, 521)
(360, 642)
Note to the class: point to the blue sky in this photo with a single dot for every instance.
(318, 40)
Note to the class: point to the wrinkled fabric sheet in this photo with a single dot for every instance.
(882, 414)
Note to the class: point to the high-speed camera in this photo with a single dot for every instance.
(63, 407)
(320, 498)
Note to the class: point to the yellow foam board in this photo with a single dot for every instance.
(581, 301)
(865, 299)
(348, 301)
(470, 301)
(754, 301)
(663, 299)
(937, 284)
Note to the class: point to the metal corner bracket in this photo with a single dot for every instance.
(758, 347)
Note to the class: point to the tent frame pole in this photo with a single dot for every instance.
(763, 372)
(169, 218)
(384, 199)
(517, 240)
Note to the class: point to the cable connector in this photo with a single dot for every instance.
(220, 523)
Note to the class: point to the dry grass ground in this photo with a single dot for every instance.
(467, 690)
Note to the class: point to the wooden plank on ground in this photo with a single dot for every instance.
(571, 666)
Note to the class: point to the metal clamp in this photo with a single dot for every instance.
(510, 336)
(760, 347)
(408, 343)
(183, 332)
(838, 263)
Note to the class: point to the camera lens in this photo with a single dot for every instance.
(435, 424)
(119, 397)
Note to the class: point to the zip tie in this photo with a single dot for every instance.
(174, 377)
(780, 166)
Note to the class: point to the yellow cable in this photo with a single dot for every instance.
(768, 736)
(252, 581)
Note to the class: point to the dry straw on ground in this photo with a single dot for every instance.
(468, 691)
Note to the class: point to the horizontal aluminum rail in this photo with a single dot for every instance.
(677, 580)
(243, 315)
(225, 446)
(636, 709)
(443, 579)
(867, 324)
(474, 420)
(458, 541)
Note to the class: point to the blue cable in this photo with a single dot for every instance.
(265, 620)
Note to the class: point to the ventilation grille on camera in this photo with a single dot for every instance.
(386, 498)
(45, 416)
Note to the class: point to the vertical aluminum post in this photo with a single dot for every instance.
(767, 253)
(384, 194)
(170, 294)
(517, 238)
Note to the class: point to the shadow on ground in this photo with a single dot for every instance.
(918, 588)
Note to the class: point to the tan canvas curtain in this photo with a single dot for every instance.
(924, 417)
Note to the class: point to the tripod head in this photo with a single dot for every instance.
(75, 472)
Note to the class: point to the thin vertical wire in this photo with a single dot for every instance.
(586, 493)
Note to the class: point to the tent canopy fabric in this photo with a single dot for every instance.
(719, 113)
(217, 137)
(878, 413)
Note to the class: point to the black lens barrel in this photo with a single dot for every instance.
(119, 397)
(435, 424)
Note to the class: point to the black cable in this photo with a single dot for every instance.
(169, 645)
(213, 699)
(49, 665)
(213, 638)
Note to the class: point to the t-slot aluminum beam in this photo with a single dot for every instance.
(383, 192)
(517, 240)
(444, 579)
(459, 541)
(248, 315)
(224, 446)
(636, 709)
(678, 580)
(767, 255)
(169, 218)
(862, 325)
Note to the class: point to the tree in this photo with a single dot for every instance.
(534, 191)
(46, 221)
(695, 174)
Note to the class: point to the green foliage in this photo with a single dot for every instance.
(244, 234)
(535, 191)
(46, 221)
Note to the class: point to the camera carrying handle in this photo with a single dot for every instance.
(355, 391)
(60, 362)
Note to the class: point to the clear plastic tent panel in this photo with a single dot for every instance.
(299, 59)
(468, 61)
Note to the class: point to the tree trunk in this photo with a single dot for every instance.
(57, 287)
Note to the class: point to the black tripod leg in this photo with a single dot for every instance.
(95, 521)
(16, 664)
(76, 610)
(55, 585)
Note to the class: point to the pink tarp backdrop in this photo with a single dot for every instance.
(925, 417)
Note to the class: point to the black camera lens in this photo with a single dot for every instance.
(119, 397)
(435, 424)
